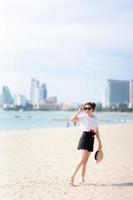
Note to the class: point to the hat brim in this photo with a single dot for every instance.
(98, 156)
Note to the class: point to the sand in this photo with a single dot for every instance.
(36, 165)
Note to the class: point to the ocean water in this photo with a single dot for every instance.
(12, 120)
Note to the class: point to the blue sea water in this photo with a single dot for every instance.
(12, 120)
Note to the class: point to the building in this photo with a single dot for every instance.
(49, 103)
(43, 92)
(131, 94)
(1, 100)
(7, 98)
(35, 93)
(48, 106)
(69, 106)
(117, 92)
(51, 100)
(20, 100)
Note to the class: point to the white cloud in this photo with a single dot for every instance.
(53, 39)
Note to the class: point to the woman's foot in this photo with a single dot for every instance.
(71, 181)
(82, 181)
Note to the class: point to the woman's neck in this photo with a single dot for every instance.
(90, 115)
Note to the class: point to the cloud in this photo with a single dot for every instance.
(57, 25)
(52, 40)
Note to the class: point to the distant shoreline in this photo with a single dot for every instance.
(39, 110)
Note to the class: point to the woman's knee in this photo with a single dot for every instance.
(83, 161)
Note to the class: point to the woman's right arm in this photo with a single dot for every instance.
(74, 117)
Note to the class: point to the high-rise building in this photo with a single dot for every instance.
(35, 92)
(1, 100)
(117, 92)
(43, 92)
(6, 96)
(131, 94)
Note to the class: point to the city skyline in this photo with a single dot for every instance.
(73, 46)
(122, 89)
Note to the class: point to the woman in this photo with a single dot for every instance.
(89, 126)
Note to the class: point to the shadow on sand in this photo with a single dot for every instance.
(126, 184)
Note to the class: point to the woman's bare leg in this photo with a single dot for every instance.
(84, 157)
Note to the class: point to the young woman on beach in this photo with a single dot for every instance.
(89, 126)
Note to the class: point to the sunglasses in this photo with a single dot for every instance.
(87, 108)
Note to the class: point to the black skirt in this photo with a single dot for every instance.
(87, 141)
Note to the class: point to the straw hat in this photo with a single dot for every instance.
(98, 156)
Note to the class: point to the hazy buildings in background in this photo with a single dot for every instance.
(69, 106)
(50, 103)
(131, 94)
(39, 98)
(35, 92)
(119, 92)
(43, 92)
(51, 100)
(6, 96)
(38, 92)
(20, 100)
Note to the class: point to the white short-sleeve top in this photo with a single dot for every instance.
(87, 123)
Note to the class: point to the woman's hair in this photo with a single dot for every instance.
(92, 104)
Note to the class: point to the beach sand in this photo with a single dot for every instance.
(36, 165)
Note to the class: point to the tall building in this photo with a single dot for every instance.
(6, 96)
(43, 92)
(35, 92)
(1, 100)
(117, 92)
(131, 94)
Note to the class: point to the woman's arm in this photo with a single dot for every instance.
(98, 138)
(74, 117)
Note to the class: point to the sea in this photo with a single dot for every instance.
(20, 120)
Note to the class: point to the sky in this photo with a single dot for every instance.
(72, 46)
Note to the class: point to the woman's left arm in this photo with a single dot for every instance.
(98, 138)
